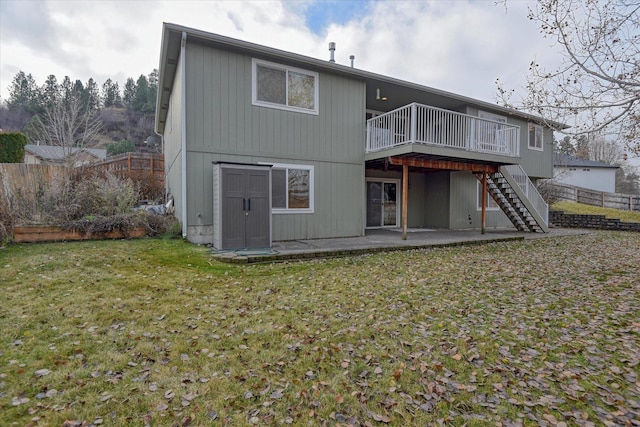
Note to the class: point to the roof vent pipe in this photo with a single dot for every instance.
(352, 57)
(332, 50)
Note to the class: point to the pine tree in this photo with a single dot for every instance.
(24, 93)
(50, 91)
(111, 94)
(92, 95)
(129, 92)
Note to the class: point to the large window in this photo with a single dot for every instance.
(278, 86)
(536, 137)
(291, 188)
(491, 204)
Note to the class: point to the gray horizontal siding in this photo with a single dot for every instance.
(338, 198)
(221, 118)
(223, 125)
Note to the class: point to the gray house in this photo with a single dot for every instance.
(264, 145)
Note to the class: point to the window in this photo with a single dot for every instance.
(291, 188)
(287, 88)
(535, 137)
(491, 204)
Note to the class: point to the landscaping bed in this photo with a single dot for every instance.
(37, 234)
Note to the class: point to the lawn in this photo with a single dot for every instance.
(582, 209)
(154, 332)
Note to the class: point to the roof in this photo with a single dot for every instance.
(566, 160)
(170, 55)
(55, 152)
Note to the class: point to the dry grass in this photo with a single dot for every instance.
(537, 332)
(580, 208)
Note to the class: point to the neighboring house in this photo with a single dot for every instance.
(583, 173)
(264, 145)
(55, 155)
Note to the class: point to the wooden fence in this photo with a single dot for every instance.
(27, 180)
(627, 202)
(145, 169)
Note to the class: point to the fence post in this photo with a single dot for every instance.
(603, 199)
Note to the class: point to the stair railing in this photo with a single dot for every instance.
(529, 190)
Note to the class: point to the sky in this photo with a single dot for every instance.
(460, 46)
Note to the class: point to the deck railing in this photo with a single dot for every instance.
(421, 124)
(529, 190)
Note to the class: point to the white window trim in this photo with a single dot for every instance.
(310, 168)
(533, 147)
(489, 199)
(254, 87)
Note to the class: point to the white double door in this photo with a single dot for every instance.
(382, 203)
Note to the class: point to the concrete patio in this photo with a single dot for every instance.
(380, 240)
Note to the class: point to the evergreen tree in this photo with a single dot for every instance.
(66, 90)
(92, 94)
(153, 91)
(565, 146)
(24, 93)
(129, 92)
(50, 91)
(141, 98)
(111, 94)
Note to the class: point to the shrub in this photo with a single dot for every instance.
(155, 225)
(120, 147)
(104, 194)
(12, 147)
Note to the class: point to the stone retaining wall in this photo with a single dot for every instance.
(600, 222)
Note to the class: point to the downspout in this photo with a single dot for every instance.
(183, 131)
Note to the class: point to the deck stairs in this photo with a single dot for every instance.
(512, 197)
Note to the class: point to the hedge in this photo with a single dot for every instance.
(12, 147)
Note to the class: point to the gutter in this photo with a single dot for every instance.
(183, 136)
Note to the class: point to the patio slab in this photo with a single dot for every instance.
(379, 240)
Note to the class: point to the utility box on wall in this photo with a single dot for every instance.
(241, 206)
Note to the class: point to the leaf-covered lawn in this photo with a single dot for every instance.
(535, 332)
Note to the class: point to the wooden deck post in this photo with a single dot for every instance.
(405, 199)
(483, 216)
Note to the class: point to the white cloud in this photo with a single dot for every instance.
(460, 46)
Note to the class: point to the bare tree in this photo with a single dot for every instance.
(597, 84)
(70, 125)
(601, 150)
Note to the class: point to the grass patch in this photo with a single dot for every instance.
(154, 331)
(582, 209)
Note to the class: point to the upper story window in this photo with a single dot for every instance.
(287, 88)
(536, 133)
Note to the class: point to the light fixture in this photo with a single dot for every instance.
(378, 98)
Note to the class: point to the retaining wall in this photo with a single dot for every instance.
(600, 222)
